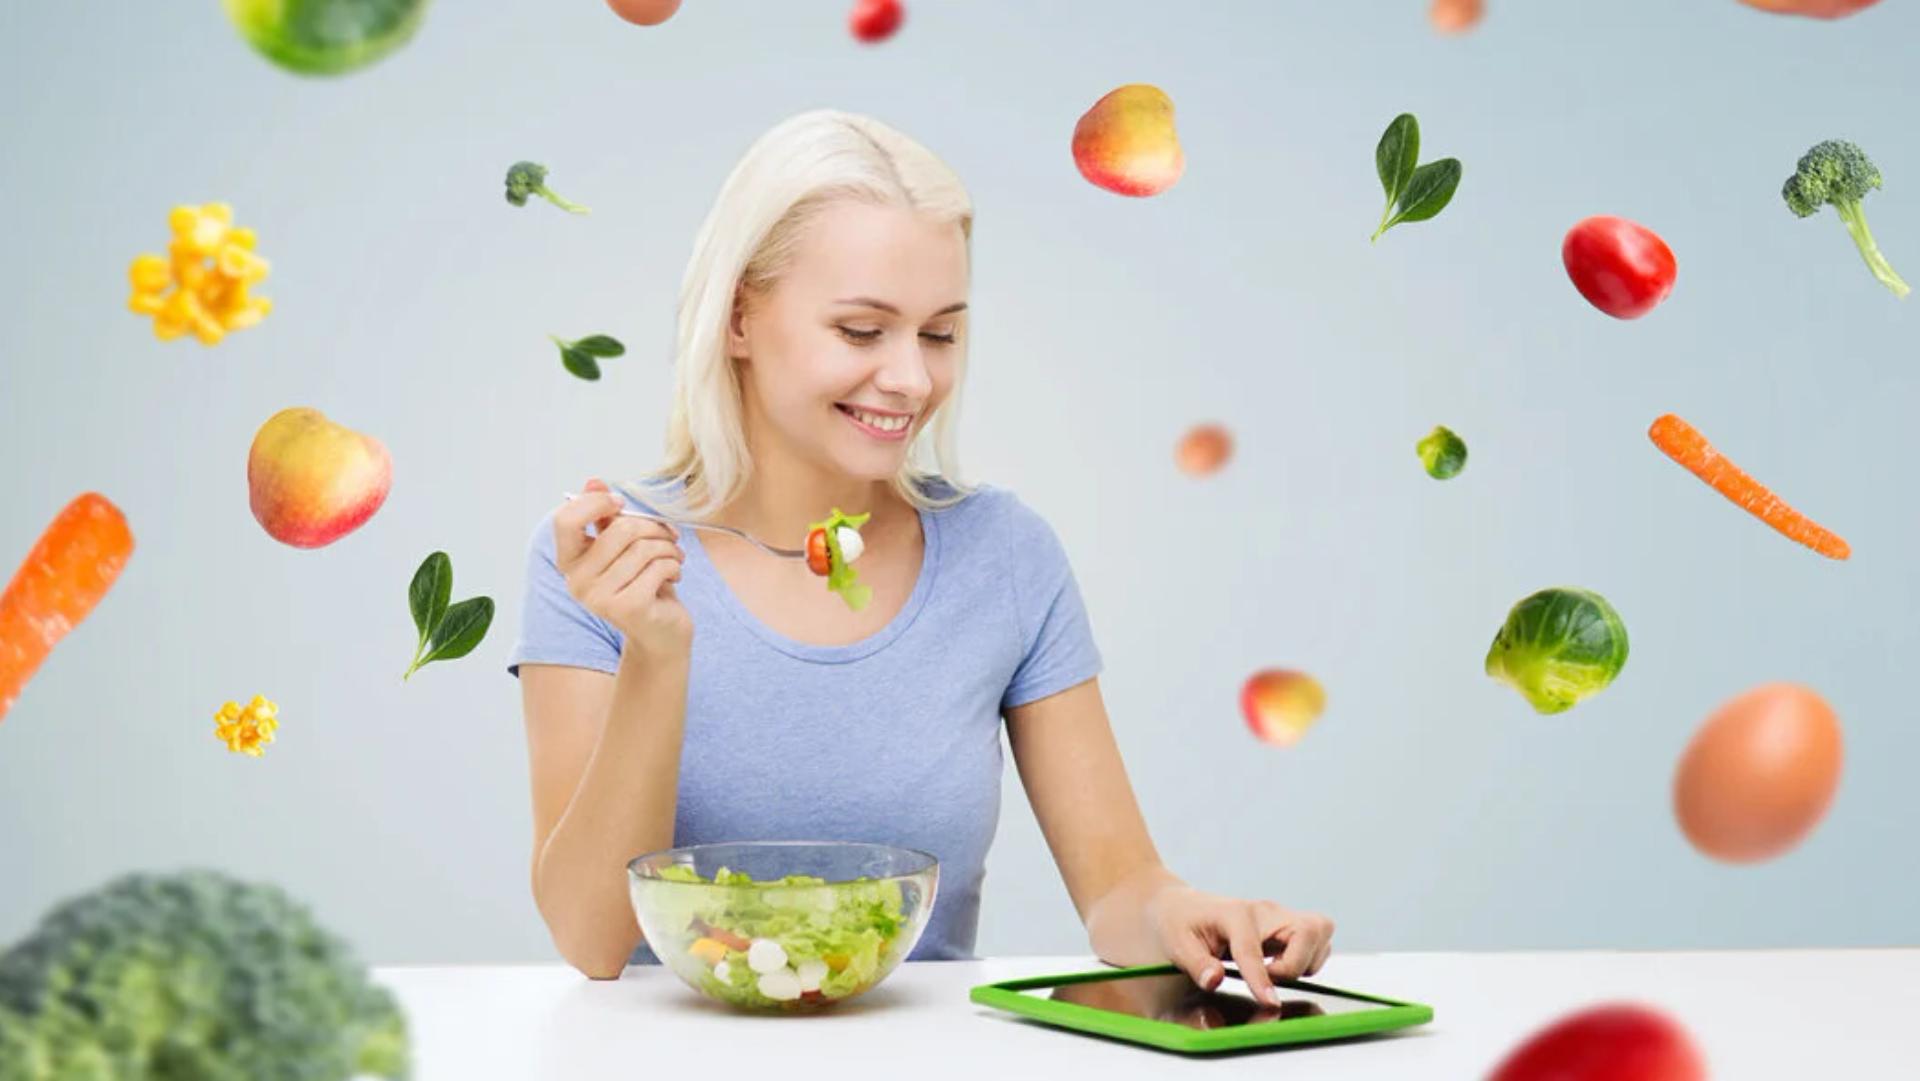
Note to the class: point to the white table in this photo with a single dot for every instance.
(1822, 1015)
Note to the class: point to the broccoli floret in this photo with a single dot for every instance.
(527, 178)
(191, 976)
(1840, 173)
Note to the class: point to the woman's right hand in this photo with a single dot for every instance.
(626, 573)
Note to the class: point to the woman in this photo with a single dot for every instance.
(683, 686)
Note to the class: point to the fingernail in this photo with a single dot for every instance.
(1273, 995)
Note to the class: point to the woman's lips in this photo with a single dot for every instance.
(880, 434)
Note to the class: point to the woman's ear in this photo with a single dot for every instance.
(737, 327)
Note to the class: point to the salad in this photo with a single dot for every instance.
(832, 546)
(782, 945)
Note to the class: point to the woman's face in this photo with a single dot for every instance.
(857, 343)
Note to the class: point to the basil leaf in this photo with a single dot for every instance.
(1397, 154)
(579, 363)
(466, 624)
(599, 345)
(429, 592)
(1429, 192)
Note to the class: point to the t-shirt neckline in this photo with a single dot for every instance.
(810, 651)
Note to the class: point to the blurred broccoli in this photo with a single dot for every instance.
(191, 976)
(1840, 173)
(527, 178)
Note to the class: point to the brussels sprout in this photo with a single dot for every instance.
(1442, 452)
(1559, 647)
(325, 37)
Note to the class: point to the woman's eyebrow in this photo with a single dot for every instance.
(870, 302)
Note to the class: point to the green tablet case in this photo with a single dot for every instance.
(1007, 995)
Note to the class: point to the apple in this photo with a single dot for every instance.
(1281, 705)
(311, 481)
(874, 21)
(1126, 142)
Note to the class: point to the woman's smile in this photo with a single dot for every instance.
(884, 425)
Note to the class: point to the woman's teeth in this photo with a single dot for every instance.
(885, 424)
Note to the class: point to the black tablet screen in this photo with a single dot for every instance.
(1177, 999)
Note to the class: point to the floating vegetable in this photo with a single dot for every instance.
(526, 178)
(582, 357)
(1839, 173)
(1280, 705)
(1684, 444)
(1818, 9)
(446, 631)
(874, 21)
(1759, 774)
(1558, 648)
(644, 12)
(247, 729)
(1443, 453)
(326, 37)
(1414, 192)
(1623, 268)
(1203, 450)
(1615, 1041)
(210, 267)
(1456, 16)
(832, 545)
(76, 560)
(1126, 143)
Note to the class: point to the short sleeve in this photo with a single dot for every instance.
(555, 628)
(1057, 647)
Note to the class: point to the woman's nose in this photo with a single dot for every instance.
(904, 371)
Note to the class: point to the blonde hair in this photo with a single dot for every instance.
(803, 164)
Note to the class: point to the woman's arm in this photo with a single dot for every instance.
(1064, 748)
(605, 757)
(1135, 910)
(604, 750)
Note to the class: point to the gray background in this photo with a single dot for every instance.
(1430, 809)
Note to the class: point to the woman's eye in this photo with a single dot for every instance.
(857, 335)
(943, 339)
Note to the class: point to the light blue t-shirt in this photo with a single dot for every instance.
(892, 739)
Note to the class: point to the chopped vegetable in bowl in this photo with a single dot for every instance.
(778, 943)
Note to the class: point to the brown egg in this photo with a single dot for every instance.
(645, 12)
(1759, 774)
(1203, 450)
(1456, 16)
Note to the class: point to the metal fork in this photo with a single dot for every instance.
(783, 553)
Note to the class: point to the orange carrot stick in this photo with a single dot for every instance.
(66, 574)
(1684, 444)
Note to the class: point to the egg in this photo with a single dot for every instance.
(1280, 705)
(1203, 450)
(644, 12)
(1759, 774)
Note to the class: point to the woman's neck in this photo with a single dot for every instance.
(782, 496)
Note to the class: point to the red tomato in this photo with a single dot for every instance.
(819, 556)
(1613, 1042)
(644, 12)
(1819, 9)
(875, 20)
(1621, 267)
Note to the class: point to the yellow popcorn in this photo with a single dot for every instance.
(210, 267)
(247, 729)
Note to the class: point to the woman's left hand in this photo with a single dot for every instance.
(1197, 930)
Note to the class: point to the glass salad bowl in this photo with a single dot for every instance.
(783, 925)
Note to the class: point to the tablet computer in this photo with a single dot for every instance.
(1161, 1006)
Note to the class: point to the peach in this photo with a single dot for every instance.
(1280, 705)
(1456, 16)
(1126, 142)
(1818, 9)
(311, 481)
(644, 12)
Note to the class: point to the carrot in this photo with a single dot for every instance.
(1684, 444)
(71, 567)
